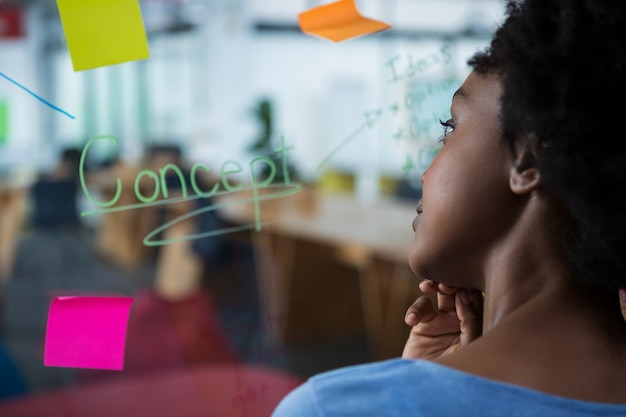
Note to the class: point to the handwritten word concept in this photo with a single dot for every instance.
(161, 193)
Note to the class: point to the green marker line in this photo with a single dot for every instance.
(4, 122)
(147, 241)
(342, 144)
(257, 225)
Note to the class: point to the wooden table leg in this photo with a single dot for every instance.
(12, 210)
(387, 290)
(274, 256)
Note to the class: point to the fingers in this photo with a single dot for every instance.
(446, 289)
(422, 310)
(442, 325)
(470, 314)
(445, 294)
(445, 298)
(427, 286)
(478, 299)
(466, 303)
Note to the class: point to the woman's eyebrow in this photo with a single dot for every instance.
(460, 93)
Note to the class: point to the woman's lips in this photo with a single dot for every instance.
(419, 210)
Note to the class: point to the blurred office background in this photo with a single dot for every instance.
(326, 284)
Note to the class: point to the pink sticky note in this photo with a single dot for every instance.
(87, 332)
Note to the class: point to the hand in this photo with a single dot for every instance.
(437, 331)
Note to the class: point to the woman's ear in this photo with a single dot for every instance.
(524, 176)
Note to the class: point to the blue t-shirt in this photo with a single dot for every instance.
(412, 388)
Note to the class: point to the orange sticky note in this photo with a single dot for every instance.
(338, 21)
(103, 32)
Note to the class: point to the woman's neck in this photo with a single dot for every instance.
(570, 343)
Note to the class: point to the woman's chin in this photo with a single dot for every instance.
(416, 265)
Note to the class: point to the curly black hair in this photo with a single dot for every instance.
(562, 64)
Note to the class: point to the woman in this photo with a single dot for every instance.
(525, 203)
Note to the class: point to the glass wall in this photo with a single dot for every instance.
(248, 189)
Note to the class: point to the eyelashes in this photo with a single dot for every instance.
(448, 128)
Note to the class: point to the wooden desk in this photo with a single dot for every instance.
(13, 203)
(371, 239)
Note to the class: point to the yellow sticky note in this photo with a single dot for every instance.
(338, 21)
(103, 32)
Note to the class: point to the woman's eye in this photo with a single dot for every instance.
(448, 127)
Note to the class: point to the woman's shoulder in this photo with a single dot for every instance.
(379, 371)
(404, 387)
(346, 391)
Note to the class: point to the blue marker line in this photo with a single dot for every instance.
(37, 97)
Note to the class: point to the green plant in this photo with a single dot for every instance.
(266, 142)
